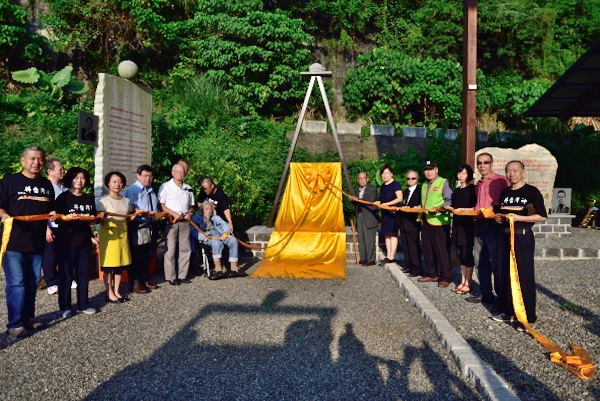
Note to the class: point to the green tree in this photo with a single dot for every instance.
(18, 46)
(389, 86)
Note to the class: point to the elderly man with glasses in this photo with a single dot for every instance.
(410, 227)
(487, 232)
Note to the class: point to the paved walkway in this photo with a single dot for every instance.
(238, 339)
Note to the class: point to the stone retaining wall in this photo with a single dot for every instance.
(556, 226)
(259, 235)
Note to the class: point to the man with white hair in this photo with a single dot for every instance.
(217, 234)
(177, 199)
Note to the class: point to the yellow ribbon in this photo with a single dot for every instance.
(8, 223)
(580, 363)
(319, 178)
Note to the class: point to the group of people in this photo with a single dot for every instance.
(53, 224)
(444, 223)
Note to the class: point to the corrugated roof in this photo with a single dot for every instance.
(575, 93)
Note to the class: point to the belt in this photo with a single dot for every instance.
(518, 231)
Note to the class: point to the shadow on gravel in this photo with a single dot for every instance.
(593, 321)
(189, 367)
(525, 385)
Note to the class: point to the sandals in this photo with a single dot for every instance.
(458, 288)
(465, 289)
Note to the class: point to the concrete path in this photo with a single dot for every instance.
(239, 339)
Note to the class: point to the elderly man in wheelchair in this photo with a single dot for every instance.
(216, 234)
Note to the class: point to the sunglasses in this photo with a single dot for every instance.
(411, 178)
(484, 162)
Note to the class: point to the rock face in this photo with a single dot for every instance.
(540, 166)
(124, 110)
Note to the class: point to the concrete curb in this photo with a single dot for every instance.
(491, 386)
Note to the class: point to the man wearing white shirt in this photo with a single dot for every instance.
(177, 199)
(410, 227)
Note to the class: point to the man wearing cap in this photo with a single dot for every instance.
(487, 232)
(435, 194)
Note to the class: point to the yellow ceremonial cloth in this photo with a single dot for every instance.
(5, 237)
(309, 240)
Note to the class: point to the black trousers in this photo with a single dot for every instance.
(435, 241)
(140, 257)
(524, 251)
(411, 247)
(49, 263)
(74, 263)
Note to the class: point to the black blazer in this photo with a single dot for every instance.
(408, 221)
(369, 211)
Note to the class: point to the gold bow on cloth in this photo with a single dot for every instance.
(318, 178)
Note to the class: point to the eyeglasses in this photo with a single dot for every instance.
(484, 162)
(411, 178)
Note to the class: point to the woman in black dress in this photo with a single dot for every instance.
(390, 195)
(463, 227)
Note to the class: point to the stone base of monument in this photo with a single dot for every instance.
(259, 235)
(557, 225)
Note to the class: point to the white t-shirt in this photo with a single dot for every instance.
(179, 200)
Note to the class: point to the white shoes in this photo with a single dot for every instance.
(52, 289)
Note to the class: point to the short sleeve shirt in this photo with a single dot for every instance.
(217, 198)
(23, 196)
(525, 201)
(179, 200)
(75, 232)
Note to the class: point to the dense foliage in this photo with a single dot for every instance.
(226, 83)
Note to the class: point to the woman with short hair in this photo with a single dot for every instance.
(115, 255)
(389, 195)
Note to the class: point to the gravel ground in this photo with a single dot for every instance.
(579, 238)
(238, 339)
(568, 312)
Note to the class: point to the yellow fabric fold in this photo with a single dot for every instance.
(309, 239)
(6, 230)
(580, 363)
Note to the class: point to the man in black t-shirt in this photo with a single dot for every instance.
(218, 198)
(22, 194)
(525, 204)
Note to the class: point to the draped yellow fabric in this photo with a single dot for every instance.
(580, 363)
(5, 237)
(309, 240)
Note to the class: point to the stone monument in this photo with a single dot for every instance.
(124, 141)
(540, 166)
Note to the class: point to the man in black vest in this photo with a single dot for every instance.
(410, 228)
(367, 220)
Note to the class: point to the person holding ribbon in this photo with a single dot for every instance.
(74, 241)
(524, 204)
(24, 194)
(463, 227)
(217, 234)
(142, 231)
(389, 195)
(436, 194)
(115, 255)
